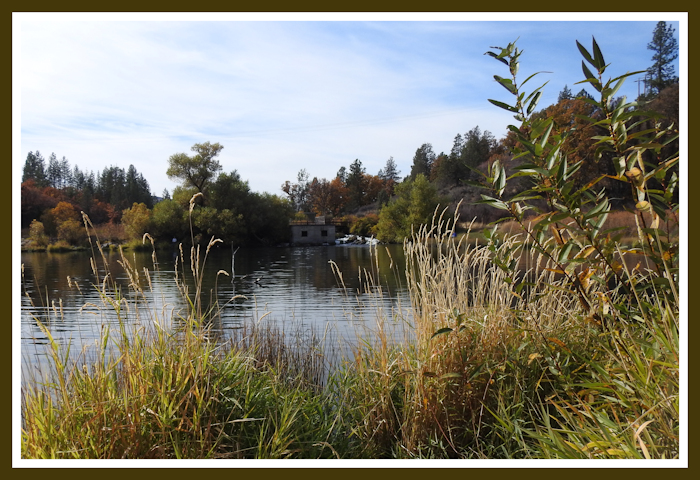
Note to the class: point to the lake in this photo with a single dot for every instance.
(294, 289)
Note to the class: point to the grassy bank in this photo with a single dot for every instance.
(486, 370)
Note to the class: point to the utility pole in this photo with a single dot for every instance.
(646, 80)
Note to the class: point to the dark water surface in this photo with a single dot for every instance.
(294, 288)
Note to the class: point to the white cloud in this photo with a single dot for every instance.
(281, 96)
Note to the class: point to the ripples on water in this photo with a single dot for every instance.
(291, 288)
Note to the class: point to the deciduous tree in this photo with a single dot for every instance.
(413, 206)
(37, 236)
(198, 170)
(136, 220)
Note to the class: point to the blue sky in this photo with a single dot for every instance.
(290, 93)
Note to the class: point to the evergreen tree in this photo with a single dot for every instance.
(584, 94)
(477, 147)
(356, 184)
(34, 169)
(454, 168)
(342, 175)
(66, 176)
(565, 94)
(53, 172)
(77, 179)
(457, 146)
(665, 49)
(137, 188)
(389, 172)
(423, 161)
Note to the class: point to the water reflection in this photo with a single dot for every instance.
(290, 286)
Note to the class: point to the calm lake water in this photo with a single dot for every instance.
(291, 288)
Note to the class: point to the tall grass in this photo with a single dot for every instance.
(164, 385)
(506, 365)
(492, 361)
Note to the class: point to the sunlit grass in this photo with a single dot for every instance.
(472, 368)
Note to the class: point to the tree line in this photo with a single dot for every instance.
(53, 194)
(384, 204)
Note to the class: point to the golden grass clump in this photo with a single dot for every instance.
(493, 370)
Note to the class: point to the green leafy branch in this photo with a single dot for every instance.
(582, 251)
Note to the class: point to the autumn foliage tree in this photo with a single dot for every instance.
(37, 236)
(55, 217)
(136, 220)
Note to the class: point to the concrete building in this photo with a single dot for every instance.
(316, 232)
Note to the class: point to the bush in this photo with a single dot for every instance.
(603, 390)
(37, 237)
(136, 221)
(59, 246)
(363, 226)
(72, 232)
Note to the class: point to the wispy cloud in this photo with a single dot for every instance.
(281, 96)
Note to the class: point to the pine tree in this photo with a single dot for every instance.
(66, 173)
(423, 161)
(666, 51)
(565, 94)
(34, 169)
(356, 184)
(53, 172)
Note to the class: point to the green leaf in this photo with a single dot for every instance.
(628, 74)
(564, 253)
(507, 83)
(590, 78)
(599, 223)
(500, 59)
(494, 202)
(526, 172)
(573, 169)
(505, 51)
(545, 137)
(598, 57)
(616, 87)
(596, 210)
(585, 54)
(588, 74)
(519, 198)
(650, 146)
(514, 66)
(504, 106)
(533, 103)
(539, 126)
(501, 180)
(442, 331)
(531, 76)
(560, 170)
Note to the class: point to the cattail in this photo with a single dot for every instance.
(198, 194)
